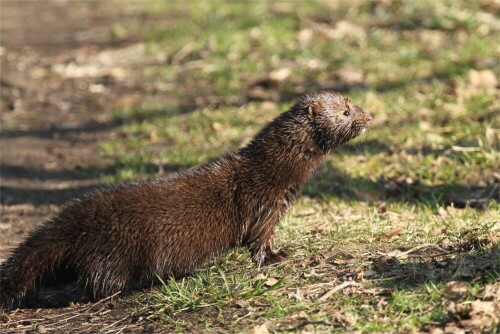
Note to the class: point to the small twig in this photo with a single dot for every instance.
(422, 246)
(49, 327)
(336, 289)
(465, 149)
(414, 249)
(246, 315)
(122, 319)
(387, 278)
(65, 320)
(56, 319)
(23, 320)
(431, 255)
(309, 322)
(105, 299)
(116, 322)
(122, 329)
(86, 310)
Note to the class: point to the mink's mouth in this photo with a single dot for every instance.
(361, 129)
(366, 121)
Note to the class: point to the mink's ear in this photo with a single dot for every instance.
(311, 112)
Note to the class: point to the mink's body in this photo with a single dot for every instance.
(124, 236)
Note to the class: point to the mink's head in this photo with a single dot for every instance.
(334, 119)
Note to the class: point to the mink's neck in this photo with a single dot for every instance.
(284, 153)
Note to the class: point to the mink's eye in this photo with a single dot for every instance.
(346, 113)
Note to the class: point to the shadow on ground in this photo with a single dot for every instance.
(439, 267)
(18, 195)
(330, 182)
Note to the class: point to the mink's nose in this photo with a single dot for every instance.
(368, 119)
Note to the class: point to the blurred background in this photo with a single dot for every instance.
(121, 89)
(94, 92)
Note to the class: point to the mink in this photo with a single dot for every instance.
(128, 235)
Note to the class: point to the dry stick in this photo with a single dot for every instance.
(465, 149)
(122, 319)
(336, 289)
(85, 310)
(86, 328)
(49, 327)
(310, 322)
(78, 312)
(74, 316)
(420, 247)
(430, 256)
(122, 329)
(240, 318)
(23, 320)
(91, 314)
(115, 323)
(416, 248)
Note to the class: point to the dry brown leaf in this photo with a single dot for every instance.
(482, 79)
(259, 276)
(490, 292)
(436, 330)
(5, 226)
(128, 101)
(300, 315)
(424, 126)
(455, 290)
(480, 316)
(492, 135)
(343, 261)
(453, 329)
(382, 208)
(268, 106)
(305, 36)
(442, 212)
(280, 74)
(435, 138)
(321, 227)
(369, 273)
(260, 329)
(271, 281)
(311, 273)
(394, 231)
(396, 253)
(153, 136)
(344, 29)
(351, 75)
(342, 318)
(493, 4)
(242, 303)
(41, 329)
(382, 306)
(217, 126)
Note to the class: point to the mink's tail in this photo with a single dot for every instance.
(30, 263)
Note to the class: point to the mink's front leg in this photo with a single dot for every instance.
(264, 254)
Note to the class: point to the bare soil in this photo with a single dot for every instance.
(59, 81)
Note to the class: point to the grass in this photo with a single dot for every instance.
(425, 176)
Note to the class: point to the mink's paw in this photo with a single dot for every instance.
(274, 257)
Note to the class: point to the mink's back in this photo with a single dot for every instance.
(161, 226)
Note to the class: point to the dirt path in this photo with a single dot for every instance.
(40, 154)
(63, 69)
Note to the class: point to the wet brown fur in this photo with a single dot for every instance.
(123, 236)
